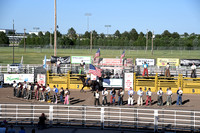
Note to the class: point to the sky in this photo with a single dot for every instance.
(123, 15)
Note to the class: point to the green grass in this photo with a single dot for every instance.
(36, 55)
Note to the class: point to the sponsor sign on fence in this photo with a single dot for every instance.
(189, 62)
(9, 78)
(63, 60)
(116, 83)
(41, 79)
(164, 61)
(128, 81)
(78, 59)
(113, 62)
(140, 61)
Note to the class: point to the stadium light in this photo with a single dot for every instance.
(107, 26)
(87, 15)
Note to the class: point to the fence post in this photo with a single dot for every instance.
(102, 117)
(155, 120)
(156, 82)
(134, 82)
(50, 115)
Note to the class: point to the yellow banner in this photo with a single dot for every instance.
(164, 61)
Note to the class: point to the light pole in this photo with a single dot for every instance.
(36, 28)
(147, 40)
(50, 39)
(88, 15)
(107, 26)
(13, 42)
(24, 40)
(152, 44)
(55, 29)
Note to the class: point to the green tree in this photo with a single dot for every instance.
(166, 33)
(87, 35)
(125, 35)
(186, 34)
(133, 34)
(72, 33)
(40, 34)
(175, 35)
(3, 38)
(94, 34)
(117, 34)
(102, 35)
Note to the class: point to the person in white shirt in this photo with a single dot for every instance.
(148, 94)
(29, 91)
(25, 90)
(67, 97)
(140, 94)
(167, 71)
(14, 88)
(96, 98)
(58, 67)
(179, 96)
(169, 96)
(193, 73)
(48, 89)
(104, 97)
(130, 96)
(160, 99)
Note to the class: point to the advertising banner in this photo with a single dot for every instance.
(164, 61)
(41, 79)
(189, 62)
(63, 60)
(113, 62)
(78, 59)
(140, 61)
(113, 83)
(128, 81)
(9, 78)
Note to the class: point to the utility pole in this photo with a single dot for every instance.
(24, 40)
(50, 39)
(88, 14)
(55, 29)
(91, 41)
(13, 42)
(147, 40)
(152, 44)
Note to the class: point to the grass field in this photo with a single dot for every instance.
(36, 55)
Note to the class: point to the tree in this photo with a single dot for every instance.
(72, 33)
(40, 34)
(133, 34)
(102, 35)
(3, 38)
(175, 35)
(166, 33)
(125, 35)
(94, 34)
(149, 35)
(186, 34)
(87, 35)
(117, 34)
(141, 34)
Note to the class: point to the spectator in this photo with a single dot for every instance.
(36, 89)
(41, 92)
(120, 97)
(67, 97)
(14, 88)
(140, 94)
(22, 130)
(96, 98)
(48, 89)
(11, 130)
(58, 67)
(179, 96)
(29, 91)
(112, 98)
(19, 87)
(160, 99)
(193, 73)
(61, 94)
(130, 96)
(41, 123)
(148, 94)
(55, 92)
(145, 72)
(169, 96)
(167, 71)
(104, 97)
(116, 75)
(24, 94)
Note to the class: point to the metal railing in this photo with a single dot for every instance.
(103, 117)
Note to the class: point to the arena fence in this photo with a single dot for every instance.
(102, 117)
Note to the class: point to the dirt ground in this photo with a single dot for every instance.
(190, 101)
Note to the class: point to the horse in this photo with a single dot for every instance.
(193, 73)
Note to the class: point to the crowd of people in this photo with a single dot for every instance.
(41, 93)
(140, 93)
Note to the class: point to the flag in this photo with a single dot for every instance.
(44, 63)
(95, 71)
(106, 81)
(97, 54)
(21, 60)
(123, 54)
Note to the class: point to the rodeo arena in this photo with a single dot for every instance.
(110, 94)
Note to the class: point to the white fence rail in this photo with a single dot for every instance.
(104, 117)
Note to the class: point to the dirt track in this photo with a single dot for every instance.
(190, 101)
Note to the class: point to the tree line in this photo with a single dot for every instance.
(127, 38)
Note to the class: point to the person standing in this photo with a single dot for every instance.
(112, 98)
(36, 89)
(179, 96)
(167, 71)
(104, 97)
(55, 92)
(96, 98)
(58, 66)
(140, 93)
(82, 66)
(20, 87)
(67, 97)
(169, 96)
(41, 123)
(22, 130)
(24, 95)
(145, 66)
(61, 95)
(48, 89)
(160, 99)
(193, 73)
(130, 96)
(11, 130)
(29, 91)
(148, 94)
(120, 97)
(14, 88)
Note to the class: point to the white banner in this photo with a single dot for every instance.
(128, 81)
(41, 79)
(9, 78)
(116, 83)
(140, 61)
(78, 59)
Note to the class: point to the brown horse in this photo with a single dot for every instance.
(93, 84)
